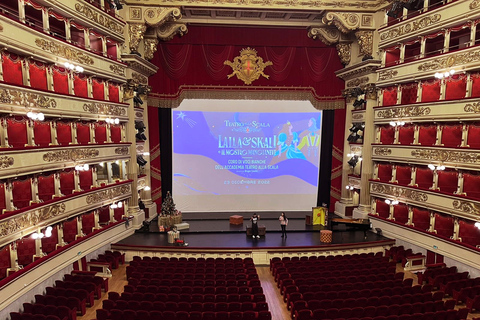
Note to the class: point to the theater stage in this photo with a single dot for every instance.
(212, 232)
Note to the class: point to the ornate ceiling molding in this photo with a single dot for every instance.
(167, 31)
(155, 17)
(399, 192)
(401, 112)
(365, 42)
(344, 51)
(136, 32)
(150, 47)
(344, 21)
(328, 36)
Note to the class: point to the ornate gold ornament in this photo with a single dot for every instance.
(447, 156)
(135, 13)
(141, 184)
(472, 107)
(103, 108)
(168, 30)
(157, 16)
(344, 51)
(248, 67)
(151, 45)
(138, 78)
(108, 194)
(467, 207)
(370, 91)
(474, 5)
(410, 27)
(26, 99)
(326, 35)
(70, 155)
(138, 114)
(6, 162)
(121, 150)
(101, 19)
(64, 51)
(357, 116)
(117, 69)
(381, 151)
(136, 31)
(402, 112)
(399, 192)
(30, 219)
(344, 21)
(365, 42)
(356, 82)
(386, 75)
(450, 61)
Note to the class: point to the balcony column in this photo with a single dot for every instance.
(80, 233)
(473, 34)
(91, 127)
(76, 179)
(402, 53)
(446, 41)
(456, 229)
(104, 46)
(61, 241)
(443, 89)
(86, 34)
(56, 183)
(45, 20)
(109, 132)
(34, 190)
(96, 220)
(410, 216)
(3, 132)
(8, 196)
(391, 210)
(68, 33)
(109, 172)
(38, 246)
(94, 177)
(30, 133)
(111, 213)
(396, 137)
(460, 184)
(53, 133)
(13, 258)
(423, 42)
(413, 177)
(394, 174)
(415, 135)
(438, 137)
(21, 10)
(435, 180)
(432, 223)
(464, 135)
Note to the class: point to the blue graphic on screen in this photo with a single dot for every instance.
(221, 153)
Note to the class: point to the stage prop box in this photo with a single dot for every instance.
(182, 226)
(169, 221)
(172, 235)
(320, 216)
(236, 219)
(326, 236)
(262, 230)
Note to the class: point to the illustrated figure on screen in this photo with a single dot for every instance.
(291, 151)
(312, 139)
(254, 220)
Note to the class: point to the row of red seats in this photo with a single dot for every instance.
(446, 278)
(98, 281)
(67, 310)
(219, 282)
(438, 315)
(379, 260)
(90, 287)
(139, 273)
(195, 297)
(181, 269)
(194, 260)
(312, 266)
(473, 302)
(178, 277)
(82, 296)
(29, 316)
(336, 272)
(226, 289)
(432, 273)
(454, 288)
(349, 257)
(332, 287)
(182, 315)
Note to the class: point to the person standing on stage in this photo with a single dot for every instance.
(283, 223)
(254, 220)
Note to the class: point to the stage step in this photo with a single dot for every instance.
(182, 226)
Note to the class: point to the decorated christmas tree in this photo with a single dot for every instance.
(168, 206)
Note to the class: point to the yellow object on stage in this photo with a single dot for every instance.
(319, 216)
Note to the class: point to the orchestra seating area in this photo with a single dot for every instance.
(366, 287)
(163, 288)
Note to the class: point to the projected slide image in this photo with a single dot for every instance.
(228, 153)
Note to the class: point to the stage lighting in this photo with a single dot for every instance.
(353, 161)
(140, 126)
(118, 4)
(353, 137)
(141, 136)
(137, 100)
(395, 10)
(141, 162)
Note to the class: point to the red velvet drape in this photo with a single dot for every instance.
(38, 75)
(3, 201)
(22, 193)
(472, 136)
(12, 68)
(469, 233)
(406, 134)
(444, 225)
(60, 80)
(17, 131)
(387, 134)
(154, 141)
(452, 135)
(448, 181)
(67, 181)
(424, 178)
(69, 230)
(100, 132)
(471, 185)
(5, 262)
(116, 133)
(384, 172)
(25, 251)
(46, 187)
(431, 90)
(456, 87)
(337, 158)
(104, 215)
(88, 223)
(382, 208)
(427, 135)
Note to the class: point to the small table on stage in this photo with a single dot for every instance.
(356, 224)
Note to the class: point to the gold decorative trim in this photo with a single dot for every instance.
(357, 116)
(70, 155)
(326, 35)
(108, 194)
(101, 19)
(472, 107)
(399, 192)
(139, 114)
(64, 51)
(248, 67)
(121, 150)
(26, 99)
(136, 32)
(451, 61)
(6, 162)
(356, 82)
(344, 21)
(159, 15)
(138, 78)
(117, 69)
(344, 51)
(411, 27)
(474, 5)
(467, 207)
(445, 155)
(386, 75)
(381, 151)
(401, 112)
(135, 13)
(365, 42)
(168, 30)
(243, 93)
(30, 219)
(103, 108)
(150, 45)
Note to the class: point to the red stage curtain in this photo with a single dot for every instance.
(452, 135)
(400, 213)
(427, 135)
(424, 178)
(100, 132)
(406, 134)
(421, 219)
(390, 96)
(4, 261)
(475, 77)
(42, 133)
(50, 244)
(3, 201)
(98, 89)
(404, 175)
(70, 230)
(456, 87)
(214, 58)
(116, 133)
(38, 75)
(448, 181)
(80, 85)
(67, 182)
(387, 134)
(86, 179)
(83, 132)
(430, 90)
(409, 93)
(60, 80)
(472, 136)
(46, 187)
(382, 208)
(25, 251)
(471, 185)
(88, 223)
(118, 213)
(104, 215)
(384, 172)
(22, 193)
(12, 68)
(17, 132)
(444, 225)
(469, 233)
(337, 163)
(154, 141)
(113, 92)
(64, 133)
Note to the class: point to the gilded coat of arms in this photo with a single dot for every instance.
(248, 67)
